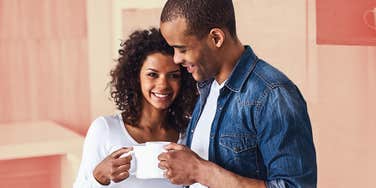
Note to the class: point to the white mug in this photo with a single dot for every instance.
(144, 163)
(366, 14)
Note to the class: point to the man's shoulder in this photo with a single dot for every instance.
(266, 75)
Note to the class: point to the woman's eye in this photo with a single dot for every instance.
(153, 75)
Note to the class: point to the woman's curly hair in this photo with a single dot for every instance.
(125, 85)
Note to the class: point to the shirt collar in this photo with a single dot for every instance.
(243, 68)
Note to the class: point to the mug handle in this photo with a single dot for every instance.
(365, 14)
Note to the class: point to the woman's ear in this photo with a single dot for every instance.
(217, 36)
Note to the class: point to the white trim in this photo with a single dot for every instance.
(118, 6)
(312, 65)
(99, 55)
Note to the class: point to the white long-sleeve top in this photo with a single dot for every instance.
(105, 135)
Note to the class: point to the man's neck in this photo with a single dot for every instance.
(231, 54)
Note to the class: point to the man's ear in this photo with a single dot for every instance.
(217, 36)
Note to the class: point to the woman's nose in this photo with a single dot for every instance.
(163, 81)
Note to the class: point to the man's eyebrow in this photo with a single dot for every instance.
(178, 46)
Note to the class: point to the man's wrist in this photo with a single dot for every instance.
(203, 171)
(212, 175)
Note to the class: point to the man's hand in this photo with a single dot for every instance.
(184, 167)
(181, 164)
(113, 167)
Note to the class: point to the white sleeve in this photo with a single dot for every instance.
(94, 151)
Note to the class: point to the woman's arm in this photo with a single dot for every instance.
(93, 153)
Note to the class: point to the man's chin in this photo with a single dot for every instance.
(200, 79)
(197, 77)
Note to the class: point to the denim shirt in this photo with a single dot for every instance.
(261, 128)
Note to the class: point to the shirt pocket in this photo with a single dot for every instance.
(238, 153)
(238, 143)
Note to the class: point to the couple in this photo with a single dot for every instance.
(249, 127)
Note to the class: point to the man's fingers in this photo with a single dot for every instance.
(167, 174)
(163, 156)
(174, 146)
(163, 165)
(174, 181)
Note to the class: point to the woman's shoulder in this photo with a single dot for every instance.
(105, 124)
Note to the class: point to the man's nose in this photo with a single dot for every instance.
(178, 59)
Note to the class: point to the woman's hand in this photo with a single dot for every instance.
(113, 167)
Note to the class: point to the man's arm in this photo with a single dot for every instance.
(214, 176)
(286, 145)
(285, 139)
(184, 167)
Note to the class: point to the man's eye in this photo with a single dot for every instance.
(152, 74)
(180, 50)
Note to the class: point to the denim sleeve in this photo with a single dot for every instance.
(285, 139)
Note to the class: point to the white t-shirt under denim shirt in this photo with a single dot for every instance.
(201, 135)
(105, 135)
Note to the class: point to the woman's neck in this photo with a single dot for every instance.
(152, 119)
(152, 126)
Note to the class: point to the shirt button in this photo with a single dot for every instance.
(192, 131)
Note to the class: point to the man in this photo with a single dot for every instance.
(250, 127)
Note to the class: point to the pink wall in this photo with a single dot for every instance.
(343, 117)
(44, 74)
(346, 23)
(343, 112)
(43, 62)
(41, 172)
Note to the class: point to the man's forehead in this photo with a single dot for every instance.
(175, 25)
(174, 31)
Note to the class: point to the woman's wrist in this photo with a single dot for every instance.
(100, 178)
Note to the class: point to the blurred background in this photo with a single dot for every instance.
(55, 58)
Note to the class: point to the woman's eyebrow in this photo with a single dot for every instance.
(174, 71)
(154, 70)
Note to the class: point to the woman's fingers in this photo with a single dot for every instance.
(120, 173)
(123, 168)
(122, 161)
(116, 154)
(120, 177)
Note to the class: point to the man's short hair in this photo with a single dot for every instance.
(201, 15)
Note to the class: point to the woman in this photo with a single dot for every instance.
(155, 97)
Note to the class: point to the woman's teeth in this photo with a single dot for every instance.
(160, 95)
